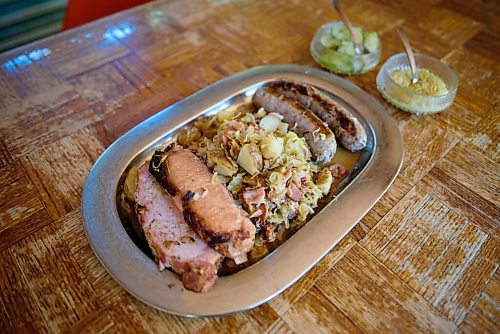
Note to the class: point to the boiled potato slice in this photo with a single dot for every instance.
(271, 147)
(324, 181)
(250, 159)
(269, 123)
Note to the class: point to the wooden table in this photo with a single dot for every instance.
(424, 259)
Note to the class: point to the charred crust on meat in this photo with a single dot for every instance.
(155, 163)
(220, 238)
(197, 224)
(214, 239)
(344, 121)
(169, 147)
(157, 169)
(288, 85)
(217, 239)
(188, 197)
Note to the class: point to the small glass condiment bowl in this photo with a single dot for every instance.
(409, 100)
(339, 62)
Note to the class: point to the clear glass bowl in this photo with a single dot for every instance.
(408, 100)
(339, 62)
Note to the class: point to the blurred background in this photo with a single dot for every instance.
(23, 21)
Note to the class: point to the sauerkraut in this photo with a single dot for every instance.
(265, 166)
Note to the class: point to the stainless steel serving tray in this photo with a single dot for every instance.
(376, 169)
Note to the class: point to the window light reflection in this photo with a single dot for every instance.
(12, 66)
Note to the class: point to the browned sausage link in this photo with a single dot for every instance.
(346, 127)
(319, 137)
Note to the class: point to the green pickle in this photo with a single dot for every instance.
(338, 50)
(335, 61)
(328, 41)
(371, 42)
(346, 48)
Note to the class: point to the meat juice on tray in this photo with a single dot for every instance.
(242, 181)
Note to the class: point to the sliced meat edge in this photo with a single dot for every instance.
(173, 243)
(209, 209)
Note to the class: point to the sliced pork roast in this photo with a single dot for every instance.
(347, 128)
(209, 208)
(172, 241)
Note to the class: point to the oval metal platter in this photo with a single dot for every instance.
(376, 169)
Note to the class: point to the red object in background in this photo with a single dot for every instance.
(80, 12)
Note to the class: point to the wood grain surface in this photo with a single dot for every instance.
(424, 259)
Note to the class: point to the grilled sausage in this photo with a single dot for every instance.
(209, 209)
(346, 127)
(173, 243)
(319, 137)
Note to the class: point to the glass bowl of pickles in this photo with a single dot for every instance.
(332, 48)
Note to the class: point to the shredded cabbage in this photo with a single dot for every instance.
(274, 158)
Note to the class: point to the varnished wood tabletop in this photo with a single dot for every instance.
(424, 259)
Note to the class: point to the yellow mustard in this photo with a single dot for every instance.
(428, 83)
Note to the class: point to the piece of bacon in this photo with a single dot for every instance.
(338, 171)
(236, 125)
(253, 196)
(225, 140)
(254, 199)
(294, 192)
